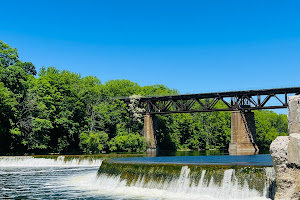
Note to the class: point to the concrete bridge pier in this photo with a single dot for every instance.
(243, 133)
(150, 127)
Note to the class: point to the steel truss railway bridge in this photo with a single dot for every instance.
(240, 103)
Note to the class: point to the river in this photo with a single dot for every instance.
(176, 177)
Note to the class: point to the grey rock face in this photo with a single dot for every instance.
(278, 150)
(294, 149)
(285, 153)
(294, 114)
(287, 174)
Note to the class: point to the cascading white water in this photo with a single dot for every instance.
(180, 188)
(60, 161)
(66, 177)
(27, 177)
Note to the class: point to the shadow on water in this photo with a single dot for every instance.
(159, 153)
(191, 153)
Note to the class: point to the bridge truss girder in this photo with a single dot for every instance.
(207, 102)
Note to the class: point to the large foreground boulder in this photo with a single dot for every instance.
(285, 152)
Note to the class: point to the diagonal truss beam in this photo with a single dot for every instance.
(206, 102)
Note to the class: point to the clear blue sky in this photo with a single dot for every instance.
(193, 46)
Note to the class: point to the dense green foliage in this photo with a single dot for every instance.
(60, 111)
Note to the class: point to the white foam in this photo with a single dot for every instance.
(175, 190)
(29, 161)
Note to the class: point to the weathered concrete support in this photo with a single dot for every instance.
(294, 114)
(150, 127)
(287, 172)
(285, 153)
(243, 134)
(293, 150)
(294, 130)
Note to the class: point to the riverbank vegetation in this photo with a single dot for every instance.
(54, 111)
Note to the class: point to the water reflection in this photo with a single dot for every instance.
(159, 153)
(249, 160)
(192, 153)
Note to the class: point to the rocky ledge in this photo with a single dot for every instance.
(285, 153)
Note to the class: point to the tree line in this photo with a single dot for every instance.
(58, 111)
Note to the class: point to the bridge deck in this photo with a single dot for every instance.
(206, 102)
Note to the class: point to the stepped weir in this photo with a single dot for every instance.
(174, 177)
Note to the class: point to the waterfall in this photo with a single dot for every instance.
(54, 161)
(171, 181)
(148, 181)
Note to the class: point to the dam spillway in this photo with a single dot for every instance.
(189, 181)
(66, 177)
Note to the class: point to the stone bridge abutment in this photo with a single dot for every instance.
(243, 133)
(150, 127)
